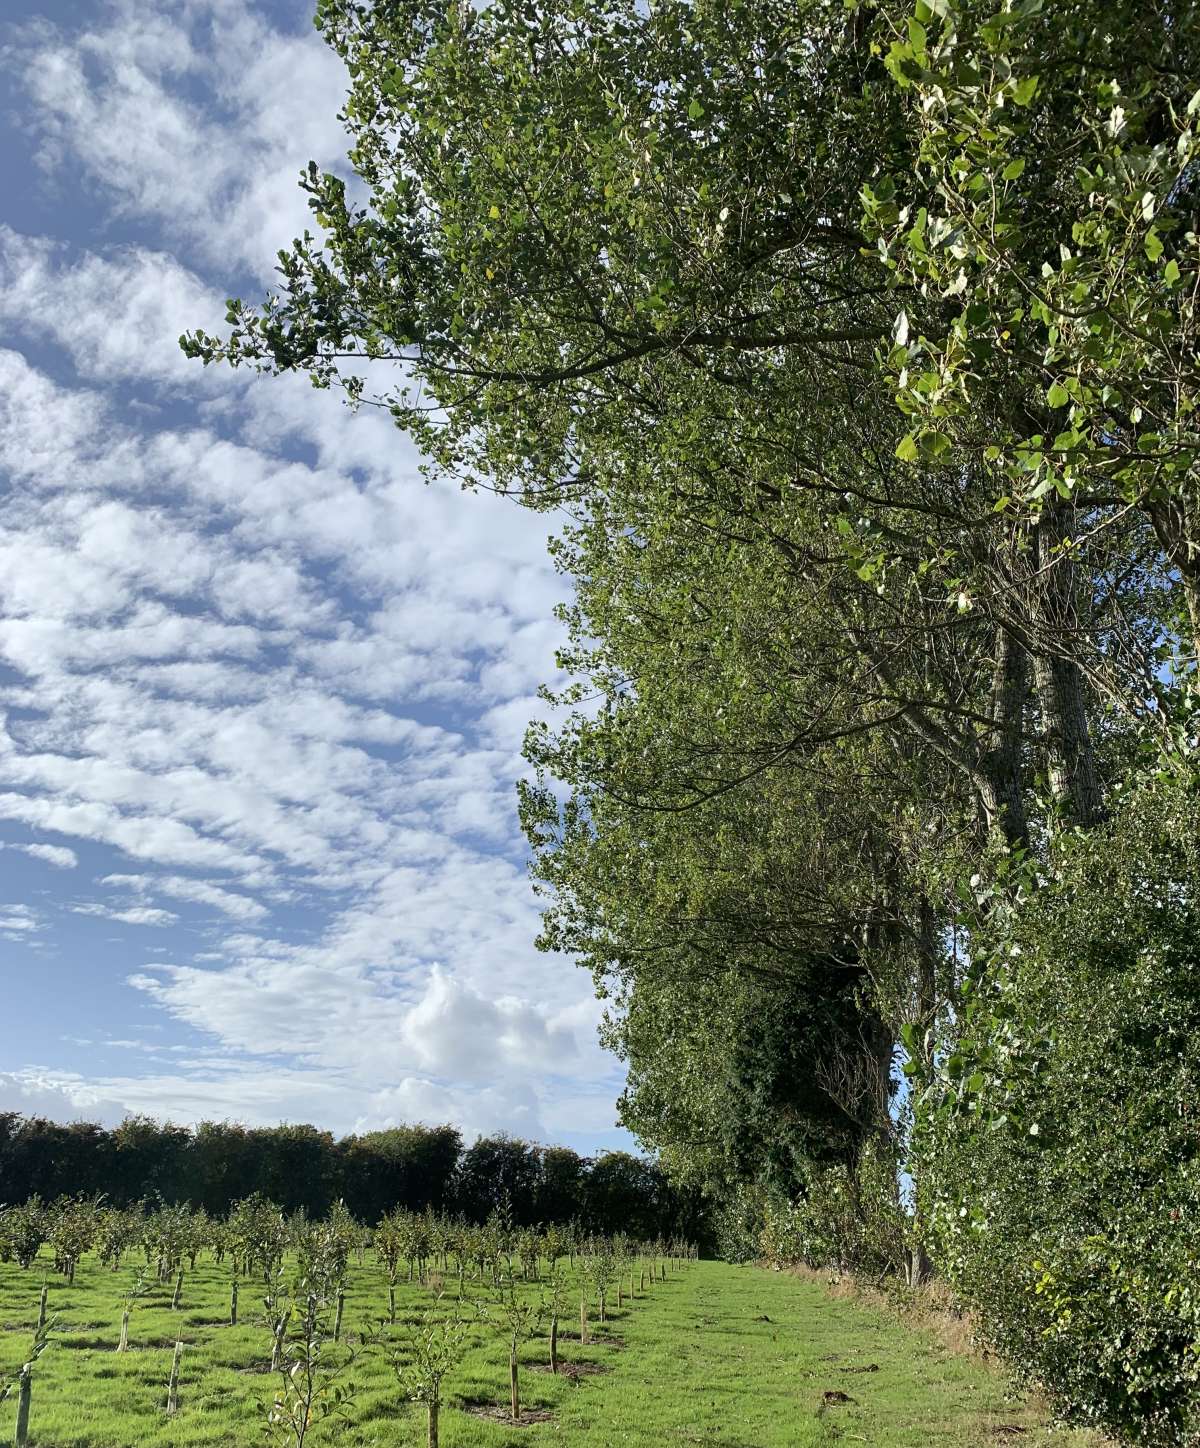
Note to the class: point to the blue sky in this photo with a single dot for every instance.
(262, 688)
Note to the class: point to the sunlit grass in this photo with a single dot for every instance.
(729, 1357)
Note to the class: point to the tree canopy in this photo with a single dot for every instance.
(854, 347)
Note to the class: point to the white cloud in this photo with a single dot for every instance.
(18, 920)
(136, 915)
(60, 1096)
(118, 316)
(57, 855)
(249, 658)
(202, 892)
(218, 177)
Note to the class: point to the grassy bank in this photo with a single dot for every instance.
(730, 1357)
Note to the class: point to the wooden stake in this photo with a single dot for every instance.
(41, 1322)
(512, 1377)
(173, 1385)
(177, 1297)
(24, 1395)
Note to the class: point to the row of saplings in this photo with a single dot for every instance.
(300, 1268)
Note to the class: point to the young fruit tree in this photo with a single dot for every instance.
(314, 1383)
(519, 1318)
(23, 1383)
(556, 1305)
(137, 1288)
(432, 1349)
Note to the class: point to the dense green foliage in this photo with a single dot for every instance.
(306, 1170)
(1061, 1151)
(855, 347)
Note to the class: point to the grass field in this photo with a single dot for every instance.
(727, 1357)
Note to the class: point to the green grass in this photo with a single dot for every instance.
(726, 1357)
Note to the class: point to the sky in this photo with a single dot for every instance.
(262, 688)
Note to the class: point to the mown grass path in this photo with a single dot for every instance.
(721, 1356)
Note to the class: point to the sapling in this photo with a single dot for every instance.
(24, 1383)
(138, 1288)
(556, 1305)
(599, 1267)
(71, 1230)
(278, 1312)
(313, 1382)
(519, 1318)
(41, 1317)
(25, 1229)
(391, 1237)
(433, 1348)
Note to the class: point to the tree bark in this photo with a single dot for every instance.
(1058, 680)
(1001, 776)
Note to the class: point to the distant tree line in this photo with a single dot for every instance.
(216, 1164)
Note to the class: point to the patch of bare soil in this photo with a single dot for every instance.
(573, 1370)
(499, 1413)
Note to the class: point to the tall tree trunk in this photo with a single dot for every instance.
(1058, 681)
(1001, 786)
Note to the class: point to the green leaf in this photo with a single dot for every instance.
(1057, 395)
(695, 110)
(1171, 272)
(906, 448)
(1025, 90)
(1013, 169)
(1153, 244)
